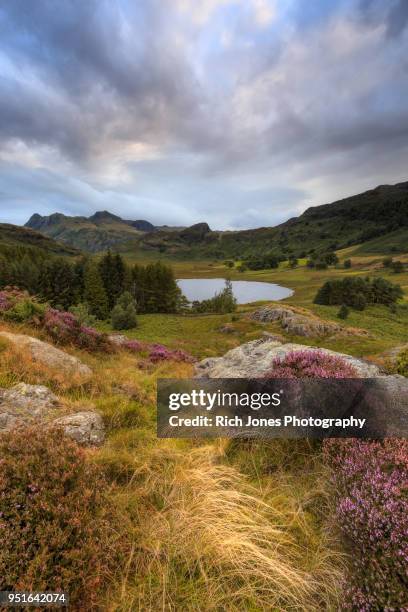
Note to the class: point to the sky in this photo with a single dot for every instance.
(240, 113)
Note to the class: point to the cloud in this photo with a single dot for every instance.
(186, 111)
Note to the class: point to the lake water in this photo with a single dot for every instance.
(244, 291)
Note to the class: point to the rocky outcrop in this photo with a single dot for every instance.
(254, 359)
(295, 323)
(49, 355)
(35, 404)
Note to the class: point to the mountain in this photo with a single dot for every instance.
(377, 218)
(99, 232)
(16, 236)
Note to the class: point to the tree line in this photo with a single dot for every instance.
(97, 283)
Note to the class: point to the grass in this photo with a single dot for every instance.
(209, 530)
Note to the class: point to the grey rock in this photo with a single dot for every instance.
(118, 339)
(35, 404)
(49, 355)
(86, 428)
(295, 323)
(254, 359)
(25, 403)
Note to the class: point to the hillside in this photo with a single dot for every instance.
(378, 217)
(15, 236)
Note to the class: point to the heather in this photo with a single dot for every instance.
(56, 528)
(310, 364)
(370, 481)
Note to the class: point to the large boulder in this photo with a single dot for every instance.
(35, 404)
(254, 359)
(49, 355)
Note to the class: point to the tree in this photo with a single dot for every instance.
(343, 312)
(113, 272)
(124, 312)
(293, 262)
(57, 284)
(94, 292)
(387, 262)
(347, 263)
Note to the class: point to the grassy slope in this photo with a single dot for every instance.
(16, 236)
(224, 525)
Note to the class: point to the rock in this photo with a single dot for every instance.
(294, 323)
(49, 355)
(25, 404)
(86, 428)
(254, 359)
(35, 404)
(118, 339)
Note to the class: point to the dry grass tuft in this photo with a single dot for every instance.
(204, 540)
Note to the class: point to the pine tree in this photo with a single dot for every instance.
(94, 292)
(57, 283)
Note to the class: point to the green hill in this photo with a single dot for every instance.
(378, 217)
(12, 236)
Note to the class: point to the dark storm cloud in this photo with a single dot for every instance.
(194, 111)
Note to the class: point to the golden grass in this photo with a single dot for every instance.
(204, 539)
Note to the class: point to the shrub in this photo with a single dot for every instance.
(402, 363)
(370, 480)
(310, 364)
(64, 328)
(158, 352)
(387, 261)
(343, 312)
(347, 263)
(81, 312)
(19, 306)
(124, 313)
(56, 526)
(397, 267)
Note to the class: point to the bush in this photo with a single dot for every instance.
(81, 312)
(343, 312)
(158, 352)
(370, 480)
(124, 312)
(310, 364)
(402, 363)
(387, 262)
(64, 328)
(347, 263)
(397, 267)
(19, 306)
(56, 525)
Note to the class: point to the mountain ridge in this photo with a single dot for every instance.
(352, 220)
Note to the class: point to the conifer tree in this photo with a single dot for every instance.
(94, 292)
